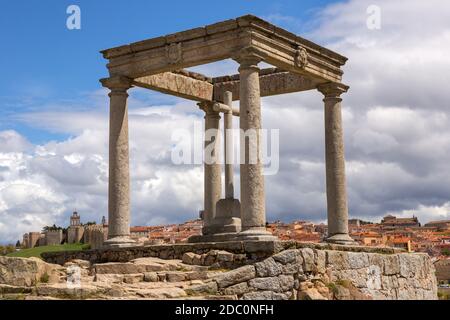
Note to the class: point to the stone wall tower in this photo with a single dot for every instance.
(75, 219)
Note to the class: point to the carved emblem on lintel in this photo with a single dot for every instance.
(174, 53)
(301, 57)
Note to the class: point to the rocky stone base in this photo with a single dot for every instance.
(308, 273)
(311, 274)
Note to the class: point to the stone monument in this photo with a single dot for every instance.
(159, 64)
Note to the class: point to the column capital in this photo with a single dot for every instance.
(208, 108)
(117, 84)
(332, 90)
(249, 57)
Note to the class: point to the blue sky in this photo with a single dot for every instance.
(44, 63)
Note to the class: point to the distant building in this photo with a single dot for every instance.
(75, 231)
(139, 232)
(53, 237)
(399, 242)
(25, 241)
(368, 238)
(95, 235)
(33, 239)
(443, 270)
(389, 222)
(439, 225)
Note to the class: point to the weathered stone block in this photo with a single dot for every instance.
(374, 277)
(391, 265)
(358, 260)
(151, 277)
(27, 271)
(287, 256)
(269, 283)
(188, 257)
(237, 289)
(202, 289)
(176, 276)
(118, 268)
(133, 278)
(310, 294)
(321, 261)
(338, 259)
(286, 282)
(258, 295)
(308, 260)
(268, 268)
(235, 276)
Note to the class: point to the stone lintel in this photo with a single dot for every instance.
(199, 88)
(177, 84)
(221, 41)
(271, 83)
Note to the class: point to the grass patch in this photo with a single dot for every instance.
(37, 251)
(44, 278)
(333, 287)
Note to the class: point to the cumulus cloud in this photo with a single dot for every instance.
(397, 134)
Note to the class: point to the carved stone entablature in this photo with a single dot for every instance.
(174, 53)
(301, 57)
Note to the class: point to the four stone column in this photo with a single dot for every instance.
(252, 208)
(253, 211)
(119, 177)
(335, 165)
(213, 171)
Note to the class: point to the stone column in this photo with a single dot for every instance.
(227, 221)
(335, 165)
(228, 141)
(119, 176)
(213, 171)
(253, 214)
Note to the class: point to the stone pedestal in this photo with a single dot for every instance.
(119, 176)
(228, 210)
(335, 165)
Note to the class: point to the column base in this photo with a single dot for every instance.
(340, 238)
(120, 242)
(256, 233)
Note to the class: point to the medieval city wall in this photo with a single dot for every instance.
(53, 237)
(33, 239)
(95, 235)
(75, 234)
